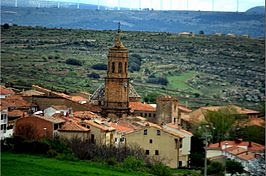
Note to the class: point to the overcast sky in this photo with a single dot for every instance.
(204, 5)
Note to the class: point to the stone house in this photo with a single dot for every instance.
(153, 139)
(36, 127)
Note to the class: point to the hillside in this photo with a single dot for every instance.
(256, 10)
(199, 70)
(23, 164)
(163, 21)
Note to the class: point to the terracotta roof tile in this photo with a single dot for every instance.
(235, 150)
(254, 146)
(100, 126)
(6, 91)
(254, 122)
(85, 114)
(182, 108)
(79, 99)
(171, 125)
(73, 126)
(138, 106)
(15, 103)
(50, 119)
(247, 156)
(217, 157)
(15, 113)
(29, 93)
(121, 127)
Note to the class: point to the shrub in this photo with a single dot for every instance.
(132, 163)
(94, 75)
(72, 61)
(99, 67)
(215, 168)
(111, 161)
(160, 169)
(5, 26)
(157, 80)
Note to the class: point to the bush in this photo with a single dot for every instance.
(132, 163)
(94, 75)
(73, 62)
(111, 161)
(160, 169)
(99, 67)
(157, 80)
(6, 26)
(66, 156)
(215, 168)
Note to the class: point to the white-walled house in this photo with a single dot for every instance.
(4, 92)
(61, 109)
(5, 132)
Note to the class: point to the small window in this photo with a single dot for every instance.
(151, 141)
(147, 152)
(56, 126)
(156, 152)
(115, 139)
(158, 132)
(125, 67)
(122, 139)
(145, 132)
(174, 120)
(180, 163)
(120, 67)
(145, 115)
(113, 67)
(180, 143)
(141, 114)
(149, 114)
(154, 115)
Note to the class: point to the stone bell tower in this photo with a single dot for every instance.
(116, 100)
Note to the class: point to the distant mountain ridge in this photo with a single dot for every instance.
(256, 10)
(157, 21)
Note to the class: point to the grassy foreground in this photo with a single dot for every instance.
(24, 165)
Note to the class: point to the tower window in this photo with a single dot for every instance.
(120, 67)
(125, 67)
(156, 152)
(151, 141)
(113, 67)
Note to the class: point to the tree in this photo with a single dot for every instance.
(6, 26)
(201, 32)
(73, 62)
(215, 168)
(220, 122)
(234, 167)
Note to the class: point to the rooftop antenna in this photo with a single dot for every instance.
(119, 25)
(139, 4)
(236, 5)
(212, 5)
(118, 7)
(98, 5)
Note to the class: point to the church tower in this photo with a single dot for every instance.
(116, 100)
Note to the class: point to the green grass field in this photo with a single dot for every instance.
(31, 165)
(179, 82)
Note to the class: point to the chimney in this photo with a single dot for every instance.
(249, 144)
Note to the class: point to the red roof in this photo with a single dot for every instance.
(73, 126)
(138, 106)
(14, 103)
(121, 127)
(254, 146)
(5, 91)
(247, 156)
(78, 99)
(85, 114)
(171, 125)
(182, 108)
(15, 113)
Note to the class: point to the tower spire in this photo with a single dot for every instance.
(118, 43)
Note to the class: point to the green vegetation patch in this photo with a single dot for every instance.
(22, 164)
(179, 81)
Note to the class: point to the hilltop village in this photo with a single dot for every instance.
(115, 115)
